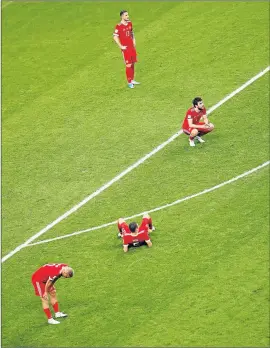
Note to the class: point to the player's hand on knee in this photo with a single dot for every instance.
(45, 296)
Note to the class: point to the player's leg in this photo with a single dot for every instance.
(204, 131)
(191, 133)
(120, 223)
(133, 74)
(55, 305)
(148, 220)
(39, 291)
(128, 62)
(194, 132)
(133, 59)
(46, 309)
(129, 75)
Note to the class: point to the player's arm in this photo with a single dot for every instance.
(149, 243)
(49, 283)
(205, 120)
(133, 38)
(117, 40)
(192, 125)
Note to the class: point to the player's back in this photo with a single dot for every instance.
(48, 271)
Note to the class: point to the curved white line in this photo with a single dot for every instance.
(158, 208)
(126, 171)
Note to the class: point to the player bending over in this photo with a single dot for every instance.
(43, 282)
(124, 37)
(192, 124)
(134, 235)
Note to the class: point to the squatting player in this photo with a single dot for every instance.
(192, 125)
(43, 282)
(124, 37)
(134, 235)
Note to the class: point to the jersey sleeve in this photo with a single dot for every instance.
(116, 31)
(204, 111)
(55, 278)
(189, 115)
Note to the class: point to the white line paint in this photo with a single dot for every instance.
(5, 4)
(158, 208)
(126, 171)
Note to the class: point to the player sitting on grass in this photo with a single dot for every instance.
(134, 235)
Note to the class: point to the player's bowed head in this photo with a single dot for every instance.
(133, 226)
(67, 272)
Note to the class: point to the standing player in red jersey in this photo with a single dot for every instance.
(192, 125)
(134, 235)
(43, 282)
(124, 37)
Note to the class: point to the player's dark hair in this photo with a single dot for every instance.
(196, 100)
(122, 12)
(132, 226)
(70, 273)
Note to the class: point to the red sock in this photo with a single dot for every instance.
(47, 312)
(191, 138)
(133, 71)
(129, 74)
(56, 307)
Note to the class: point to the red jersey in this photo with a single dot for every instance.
(49, 271)
(194, 115)
(141, 236)
(125, 34)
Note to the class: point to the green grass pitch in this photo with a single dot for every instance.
(70, 124)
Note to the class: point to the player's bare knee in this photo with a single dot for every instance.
(53, 293)
(146, 216)
(120, 221)
(45, 303)
(194, 132)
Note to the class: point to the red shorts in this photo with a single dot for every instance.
(200, 130)
(130, 55)
(40, 288)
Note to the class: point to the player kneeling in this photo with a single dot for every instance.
(134, 235)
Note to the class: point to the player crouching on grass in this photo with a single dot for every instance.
(134, 235)
(43, 282)
(192, 125)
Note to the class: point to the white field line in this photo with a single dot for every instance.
(158, 208)
(5, 4)
(126, 171)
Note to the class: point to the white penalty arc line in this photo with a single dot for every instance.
(126, 171)
(5, 4)
(158, 208)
